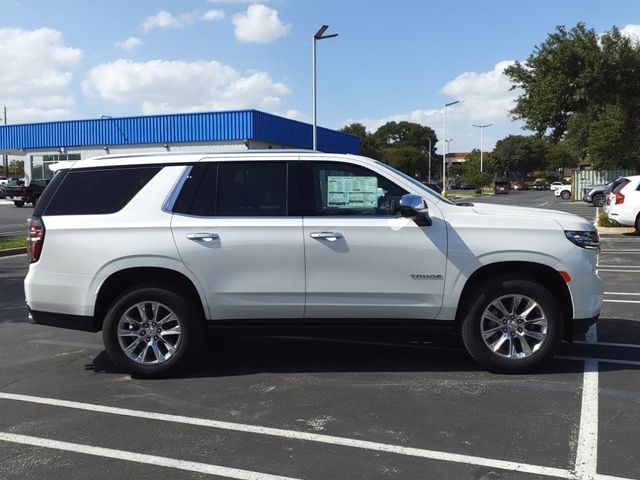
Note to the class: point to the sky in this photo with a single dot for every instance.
(392, 60)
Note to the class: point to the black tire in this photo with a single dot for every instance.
(18, 203)
(637, 225)
(482, 298)
(565, 194)
(190, 321)
(599, 200)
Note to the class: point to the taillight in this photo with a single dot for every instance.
(619, 198)
(35, 239)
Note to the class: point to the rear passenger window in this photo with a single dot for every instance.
(252, 189)
(238, 189)
(99, 191)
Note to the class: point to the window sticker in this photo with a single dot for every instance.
(352, 192)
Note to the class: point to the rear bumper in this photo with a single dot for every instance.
(61, 320)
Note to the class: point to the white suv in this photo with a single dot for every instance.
(152, 249)
(624, 202)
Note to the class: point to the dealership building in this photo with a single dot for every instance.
(41, 144)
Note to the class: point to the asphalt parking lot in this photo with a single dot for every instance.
(13, 220)
(317, 408)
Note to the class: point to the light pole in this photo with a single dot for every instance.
(482, 127)
(429, 158)
(444, 157)
(319, 35)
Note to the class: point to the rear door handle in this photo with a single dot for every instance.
(207, 237)
(330, 236)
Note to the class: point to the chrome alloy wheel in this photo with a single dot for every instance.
(514, 326)
(149, 333)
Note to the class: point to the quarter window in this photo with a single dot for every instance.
(345, 189)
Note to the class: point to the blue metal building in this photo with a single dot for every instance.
(50, 142)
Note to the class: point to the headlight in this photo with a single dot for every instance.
(588, 239)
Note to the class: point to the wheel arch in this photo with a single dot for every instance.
(537, 272)
(123, 280)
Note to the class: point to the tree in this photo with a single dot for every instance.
(369, 145)
(16, 168)
(518, 155)
(471, 170)
(407, 159)
(558, 157)
(583, 88)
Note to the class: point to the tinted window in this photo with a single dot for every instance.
(345, 189)
(48, 192)
(252, 189)
(98, 191)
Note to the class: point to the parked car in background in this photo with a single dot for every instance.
(564, 192)
(501, 186)
(555, 185)
(539, 186)
(520, 186)
(21, 194)
(625, 202)
(433, 186)
(597, 194)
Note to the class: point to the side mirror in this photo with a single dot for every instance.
(415, 207)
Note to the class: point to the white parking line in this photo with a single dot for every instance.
(621, 301)
(611, 270)
(140, 458)
(587, 451)
(622, 293)
(297, 435)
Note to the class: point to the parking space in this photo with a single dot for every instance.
(317, 408)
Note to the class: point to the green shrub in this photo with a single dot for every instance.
(605, 221)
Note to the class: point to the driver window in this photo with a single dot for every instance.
(345, 189)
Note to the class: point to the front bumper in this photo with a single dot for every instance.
(580, 327)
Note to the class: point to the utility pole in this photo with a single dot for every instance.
(482, 127)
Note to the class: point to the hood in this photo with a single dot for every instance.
(567, 221)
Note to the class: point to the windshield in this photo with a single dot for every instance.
(416, 183)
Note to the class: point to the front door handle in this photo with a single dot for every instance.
(207, 237)
(330, 236)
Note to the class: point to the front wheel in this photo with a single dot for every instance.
(565, 194)
(637, 225)
(513, 325)
(151, 331)
(599, 200)
(18, 203)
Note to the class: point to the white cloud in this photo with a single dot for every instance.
(35, 74)
(260, 24)
(161, 86)
(631, 31)
(129, 44)
(295, 115)
(212, 15)
(164, 19)
(485, 97)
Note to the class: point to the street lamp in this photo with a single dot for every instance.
(482, 127)
(444, 157)
(319, 35)
(429, 158)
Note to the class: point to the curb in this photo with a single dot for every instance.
(618, 230)
(12, 251)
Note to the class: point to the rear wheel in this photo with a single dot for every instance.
(151, 331)
(565, 194)
(513, 325)
(599, 200)
(637, 225)
(18, 203)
